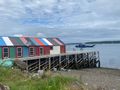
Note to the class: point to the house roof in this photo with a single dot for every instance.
(29, 41)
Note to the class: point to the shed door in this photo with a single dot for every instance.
(41, 51)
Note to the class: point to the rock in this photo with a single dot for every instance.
(62, 69)
(55, 69)
(86, 84)
(40, 72)
(68, 70)
(4, 87)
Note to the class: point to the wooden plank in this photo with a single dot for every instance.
(47, 56)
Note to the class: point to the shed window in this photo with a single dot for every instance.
(41, 51)
(51, 48)
(19, 51)
(5, 52)
(31, 51)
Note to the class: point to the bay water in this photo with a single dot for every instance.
(109, 54)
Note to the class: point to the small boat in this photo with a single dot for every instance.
(84, 46)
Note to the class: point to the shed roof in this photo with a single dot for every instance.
(29, 41)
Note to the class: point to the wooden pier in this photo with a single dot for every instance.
(69, 60)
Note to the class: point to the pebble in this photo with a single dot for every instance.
(86, 84)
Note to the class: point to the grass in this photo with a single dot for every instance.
(17, 80)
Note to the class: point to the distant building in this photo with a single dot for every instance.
(20, 47)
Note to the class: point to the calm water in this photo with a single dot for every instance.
(109, 54)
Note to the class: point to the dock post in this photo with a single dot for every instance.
(59, 61)
(49, 63)
(27, 65)
(76, 65)
(98, 60)
(98, 55)
(85, 60)
(39, 64)
(89, 60)
(67, 58)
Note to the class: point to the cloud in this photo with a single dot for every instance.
(59, 12)
(40, 34)
(18, 35)
(59, 18)
(106, 7)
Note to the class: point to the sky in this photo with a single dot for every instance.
(70, 20)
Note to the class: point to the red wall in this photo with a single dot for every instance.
(62, 49)
(46, 50)
(37, 50)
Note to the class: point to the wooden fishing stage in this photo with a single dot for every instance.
(69, 60)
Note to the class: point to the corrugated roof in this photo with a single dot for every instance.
(2, 43)
(29, 41)
(16, 41)
(7, 41)
(45, 42)
(48, 42)
(39, 42)
(58, 41)
(53, 42)
(33, 40)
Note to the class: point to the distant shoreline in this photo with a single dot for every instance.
(103, 42)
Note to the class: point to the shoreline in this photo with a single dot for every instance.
(109, 68)
(96, 78)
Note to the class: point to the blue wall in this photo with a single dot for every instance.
(25, 52)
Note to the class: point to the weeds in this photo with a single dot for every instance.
(17, 80)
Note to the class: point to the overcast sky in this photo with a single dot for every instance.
(71, 20)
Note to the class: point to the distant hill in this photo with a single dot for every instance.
(104, 42)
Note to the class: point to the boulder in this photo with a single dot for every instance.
(4, 87)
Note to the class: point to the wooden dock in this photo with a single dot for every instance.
(69, 60)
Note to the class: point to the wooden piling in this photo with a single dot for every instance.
(49, 63)
(39, 64)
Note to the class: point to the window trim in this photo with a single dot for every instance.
(17, 52)
(33, 51)
(3, 52)
(42, 50)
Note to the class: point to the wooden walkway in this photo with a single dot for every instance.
(69, 60)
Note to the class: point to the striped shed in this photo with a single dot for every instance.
(19, 47)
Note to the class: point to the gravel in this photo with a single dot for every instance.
(96, 78)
